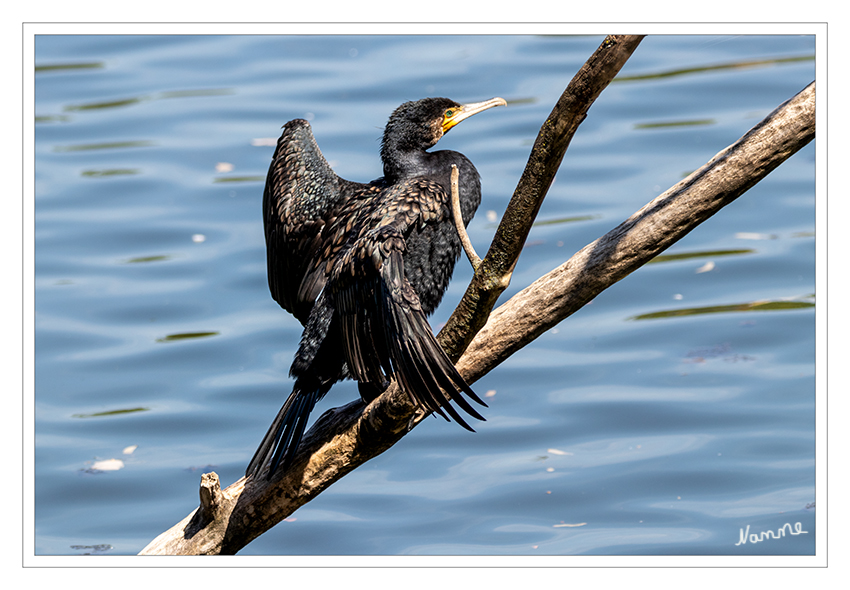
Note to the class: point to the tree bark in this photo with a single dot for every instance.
(493, 275)
(345, 437)
(648, 232)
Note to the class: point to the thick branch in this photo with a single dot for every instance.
(344, 438)
(493, 275)
(657, 226)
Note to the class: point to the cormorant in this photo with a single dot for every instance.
(362, 265)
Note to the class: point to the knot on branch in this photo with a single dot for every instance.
(212, 497)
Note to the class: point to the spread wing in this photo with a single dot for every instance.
(302, 199)
(384, 330)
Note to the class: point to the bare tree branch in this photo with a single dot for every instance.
(474, 259)
(658, 225)
(345, 437)
(493, 275)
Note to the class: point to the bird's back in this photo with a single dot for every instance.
(311, 215)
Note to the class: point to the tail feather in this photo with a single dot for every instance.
(281, 441)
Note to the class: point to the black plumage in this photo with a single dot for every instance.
(362, 265)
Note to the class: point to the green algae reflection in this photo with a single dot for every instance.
(736, 65)
(186, 336)
(93, 65)
(109, 172)
(682, 123)
(763, 305)
(700, 254)
(257, 178)
(134, 100)
(111, 413)
(573, 219)
(144, 259)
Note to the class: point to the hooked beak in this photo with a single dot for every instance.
(467, 110)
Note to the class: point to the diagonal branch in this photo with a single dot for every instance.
(344, 438)
(657, 226)
(493, 275)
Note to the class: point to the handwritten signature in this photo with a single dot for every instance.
(747, 537)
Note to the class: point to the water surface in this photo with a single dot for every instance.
(669, 414)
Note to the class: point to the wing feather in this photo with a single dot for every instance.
(301, 195)
(384, 330)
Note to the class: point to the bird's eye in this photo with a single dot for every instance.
(449, 113)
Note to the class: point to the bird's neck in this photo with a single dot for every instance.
(403, 164)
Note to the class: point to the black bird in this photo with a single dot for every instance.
(362, 265)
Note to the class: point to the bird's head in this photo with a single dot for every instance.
(418, 125)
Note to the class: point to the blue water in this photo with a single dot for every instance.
(158, 345)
